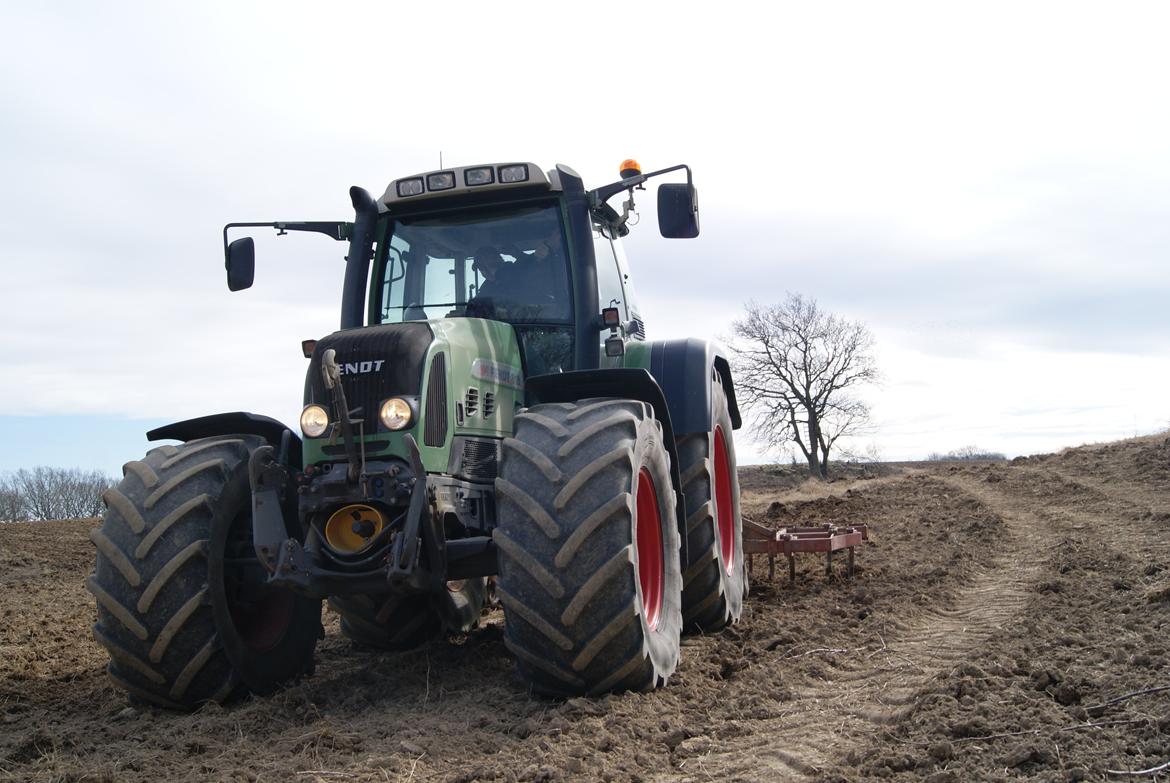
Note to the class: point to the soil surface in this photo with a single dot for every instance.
(996, 618)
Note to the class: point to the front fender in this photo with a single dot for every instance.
(287, 442)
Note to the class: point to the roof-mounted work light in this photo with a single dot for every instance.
(515, 173)
(410, 187)
(443, 180)
(483, 175)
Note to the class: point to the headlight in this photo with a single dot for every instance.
(314, 421)
(395, 413)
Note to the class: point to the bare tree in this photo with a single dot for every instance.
(37, 490)
(11, 501)
(81, 493)
(57, 493)
(798, 369)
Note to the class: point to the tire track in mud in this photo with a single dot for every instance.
(867, 690)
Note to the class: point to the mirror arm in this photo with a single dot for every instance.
(599, 196)
(334, 230)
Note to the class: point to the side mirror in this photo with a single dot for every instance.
(241, 264)
(678, 211)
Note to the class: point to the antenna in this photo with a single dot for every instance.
(440, 159)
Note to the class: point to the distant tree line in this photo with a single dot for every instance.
(52, 493)
(968, 454)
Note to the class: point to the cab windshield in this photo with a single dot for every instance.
(507, 264)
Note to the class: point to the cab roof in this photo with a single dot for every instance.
(465, 180)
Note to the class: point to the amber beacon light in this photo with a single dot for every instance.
(630, 168)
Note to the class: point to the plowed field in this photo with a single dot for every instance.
(996, 617)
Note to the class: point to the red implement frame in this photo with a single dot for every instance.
(791, 541)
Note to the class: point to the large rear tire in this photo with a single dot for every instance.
(588, 548)
(714, 579)
(183, 608)
(403, 622)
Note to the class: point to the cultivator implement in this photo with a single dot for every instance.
(791, 541)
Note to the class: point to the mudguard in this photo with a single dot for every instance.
(683, 370)
(236, 423)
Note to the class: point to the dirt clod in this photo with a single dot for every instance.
(1067, 694)
(1159, 593)
(941, 750)
(1027, 753)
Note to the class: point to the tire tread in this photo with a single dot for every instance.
(568, 570)
(712, 599)
(155, 613)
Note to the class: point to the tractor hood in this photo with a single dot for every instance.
(376, 362)
(463, 376)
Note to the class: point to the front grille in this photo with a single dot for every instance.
(377, 362)
(435, 423)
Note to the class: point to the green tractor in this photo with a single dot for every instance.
(490, 418)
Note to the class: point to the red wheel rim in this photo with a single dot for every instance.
(261, 614)
(648, 541)
(724, 507)
(262, 623)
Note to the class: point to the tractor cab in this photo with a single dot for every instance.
(505, 242)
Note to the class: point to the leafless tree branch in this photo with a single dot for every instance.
(797, 370)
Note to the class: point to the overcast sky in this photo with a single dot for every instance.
(984, 185)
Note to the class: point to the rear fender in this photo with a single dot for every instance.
(683, 371)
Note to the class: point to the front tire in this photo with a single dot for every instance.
(588, 548)
(183, 609)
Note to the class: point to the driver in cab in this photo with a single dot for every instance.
(535, 285)
(488, 264)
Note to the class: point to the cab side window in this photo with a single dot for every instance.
(609, 277)
(635, 314)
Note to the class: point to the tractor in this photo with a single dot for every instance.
(489, 424)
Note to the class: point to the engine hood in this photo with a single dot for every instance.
(376, 362)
